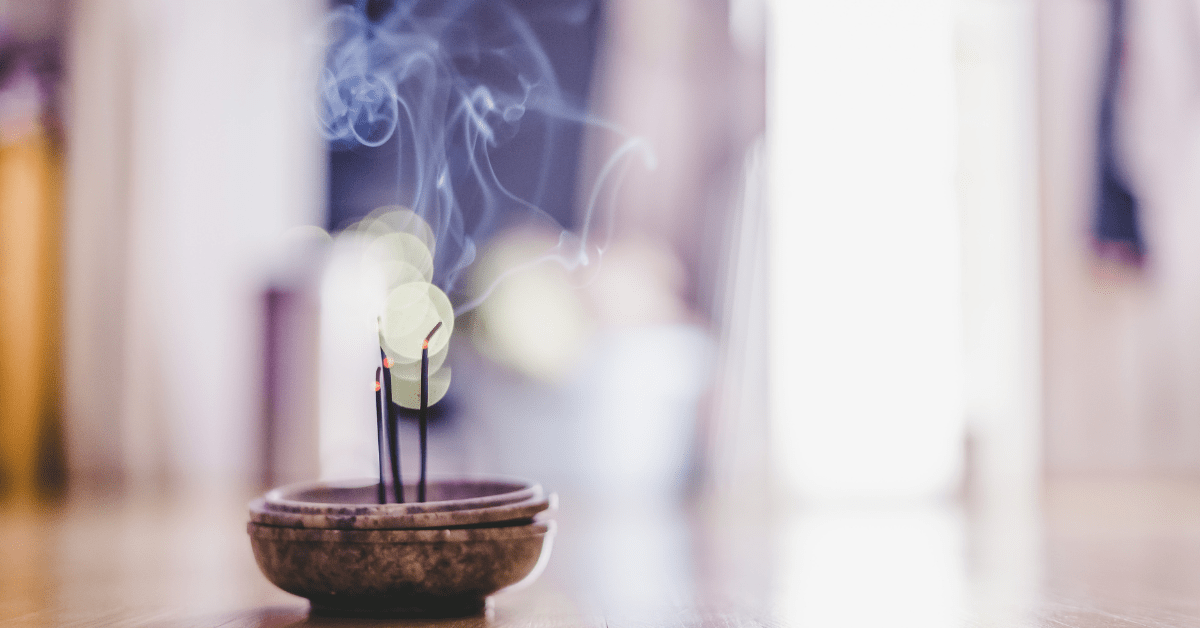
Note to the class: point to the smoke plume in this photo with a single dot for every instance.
(448, 83)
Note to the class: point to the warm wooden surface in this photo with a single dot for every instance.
(1097, 554)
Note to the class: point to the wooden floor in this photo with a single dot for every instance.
(1097, 554)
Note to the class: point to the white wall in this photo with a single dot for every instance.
(866, 261)
(998, 200)
(905, 250)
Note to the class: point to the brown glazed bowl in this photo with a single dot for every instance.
(360, 497)
(400, 573)
(337, 518)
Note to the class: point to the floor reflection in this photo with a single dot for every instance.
(872, 567)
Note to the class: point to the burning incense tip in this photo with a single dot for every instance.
(387, 363)
(377, 386)
(433, 331)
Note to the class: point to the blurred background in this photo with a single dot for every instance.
(930, 258)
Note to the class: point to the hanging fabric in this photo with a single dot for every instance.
(1116, 228)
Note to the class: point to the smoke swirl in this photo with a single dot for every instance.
(448, 83)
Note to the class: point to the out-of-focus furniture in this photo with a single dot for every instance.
(30, 181)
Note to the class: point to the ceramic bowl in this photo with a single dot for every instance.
(400, 573)
(487, 516)
(359, 497)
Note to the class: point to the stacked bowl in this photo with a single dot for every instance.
(333, 543)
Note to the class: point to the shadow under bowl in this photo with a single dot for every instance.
(516, 513)
(360, 497)
(400, 573)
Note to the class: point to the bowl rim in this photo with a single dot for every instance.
(471, 517)
(535, 529)
(280, 499)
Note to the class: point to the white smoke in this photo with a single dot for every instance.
(451, 82)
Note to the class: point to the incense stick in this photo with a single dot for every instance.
(379, 432)
(393, 426)
(425, 406)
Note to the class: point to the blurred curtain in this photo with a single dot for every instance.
(1122, 348)
(192, 152)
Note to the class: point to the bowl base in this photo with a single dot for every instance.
(389, 608)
